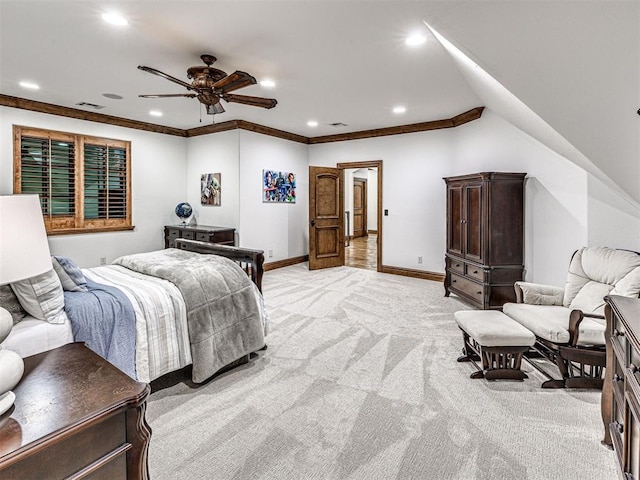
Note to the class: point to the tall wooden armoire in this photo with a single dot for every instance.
(485, 237)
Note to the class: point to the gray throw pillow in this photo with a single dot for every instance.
(9, 302)
(70, 275)
(42, 296)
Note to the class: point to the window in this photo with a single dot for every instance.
(84, 182)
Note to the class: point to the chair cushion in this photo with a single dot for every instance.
(550, 322)
(590, 299)
(491, 328)
(602, 265)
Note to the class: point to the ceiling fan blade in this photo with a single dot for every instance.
(164, 75)
(168, 95)
(253, 101)
(234, 81)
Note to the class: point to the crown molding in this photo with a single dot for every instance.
(460, 119)
(41, 107)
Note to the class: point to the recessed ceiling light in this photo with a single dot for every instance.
(399, 109)
(312, 123)
(267, 83)
(155, 113)
(415, 39)
(30, 85)
(113, 96)
(114, 19)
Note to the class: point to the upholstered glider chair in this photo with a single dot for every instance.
(569, 322)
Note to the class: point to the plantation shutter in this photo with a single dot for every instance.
(48, 169)
(105, 182)
(83, 182)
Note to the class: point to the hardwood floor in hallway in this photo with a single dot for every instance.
(362, 253)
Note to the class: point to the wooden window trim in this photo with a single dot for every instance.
(76, 223)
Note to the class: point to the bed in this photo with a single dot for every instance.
(165, 315)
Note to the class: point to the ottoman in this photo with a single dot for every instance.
(496, 340)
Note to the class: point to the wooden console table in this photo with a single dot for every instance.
(75, 416)
(621, 390)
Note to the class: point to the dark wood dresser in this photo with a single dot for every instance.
(202, 233)
(621, 390)
(75, 416)
(485, 237)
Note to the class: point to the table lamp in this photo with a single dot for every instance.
(24, 253)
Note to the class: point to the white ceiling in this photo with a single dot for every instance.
(575, 63)
(332, 61)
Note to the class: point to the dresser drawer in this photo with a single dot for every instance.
(467, 287)
(203, 237)
(456, 265)
(188, 235)
(474, 271)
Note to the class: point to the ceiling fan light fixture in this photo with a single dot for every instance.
(115, 18)
(415, 39)
(267, 83)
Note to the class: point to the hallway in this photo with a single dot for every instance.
(361, 252)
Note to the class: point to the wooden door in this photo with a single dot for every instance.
(359, 207)
(455, 219)
(326, 218)
(473, 222)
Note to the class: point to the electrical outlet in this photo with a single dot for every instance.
(419, 259)
(270, 253)
(103, 260)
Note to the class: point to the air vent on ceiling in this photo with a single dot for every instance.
(91, 105)
(338, 124)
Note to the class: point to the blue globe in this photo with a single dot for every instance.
(184, 210)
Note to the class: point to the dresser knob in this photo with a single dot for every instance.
(617, 378)
(453, 281)
(478, 293)
(618, 333)
(633, 368)
(619, 427)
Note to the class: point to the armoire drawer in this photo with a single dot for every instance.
(467, 287)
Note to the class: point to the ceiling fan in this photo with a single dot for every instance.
(210, 84)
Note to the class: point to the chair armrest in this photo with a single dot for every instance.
(538, 294)
(575, 319)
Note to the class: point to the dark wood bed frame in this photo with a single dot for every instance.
(251, 261)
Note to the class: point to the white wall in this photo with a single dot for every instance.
(217, 153)
(278, 228)
(557, 200)
(372, 199)
(413, 191)
(159, 172)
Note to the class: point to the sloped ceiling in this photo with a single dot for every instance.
(576, 64)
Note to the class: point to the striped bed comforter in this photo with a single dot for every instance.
(162, 338)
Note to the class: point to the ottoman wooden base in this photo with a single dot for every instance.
(500, 360)
(498, 363)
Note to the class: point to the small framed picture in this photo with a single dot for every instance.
(210, 189)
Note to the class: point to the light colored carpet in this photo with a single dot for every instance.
(360, 382)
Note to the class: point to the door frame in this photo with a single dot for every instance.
(372, 164)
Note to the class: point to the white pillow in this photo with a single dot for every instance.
(42, 297)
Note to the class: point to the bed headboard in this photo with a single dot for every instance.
(251, 261)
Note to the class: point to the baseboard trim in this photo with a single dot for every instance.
(410, 272)
(285, 263)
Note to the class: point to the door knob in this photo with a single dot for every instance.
(313, 223)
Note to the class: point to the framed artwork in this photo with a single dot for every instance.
(278, 187)
(210, 189)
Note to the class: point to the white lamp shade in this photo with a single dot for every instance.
(24, 250)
